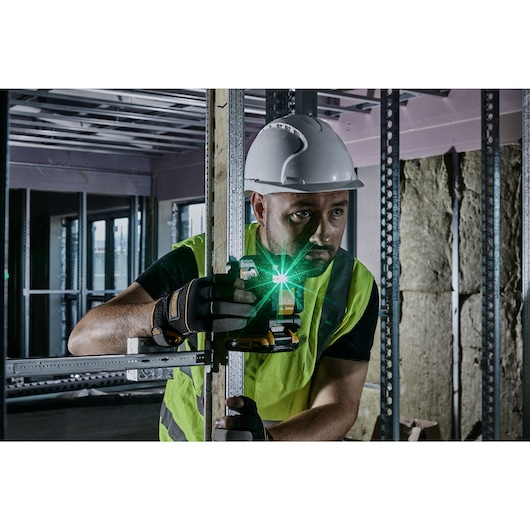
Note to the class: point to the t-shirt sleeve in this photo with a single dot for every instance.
(357, 344)
(169, 273)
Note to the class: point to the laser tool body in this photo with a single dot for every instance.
(278, 287)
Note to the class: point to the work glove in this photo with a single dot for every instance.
(217, 303)
(245, 426)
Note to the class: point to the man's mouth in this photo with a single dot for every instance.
(317, 259)
(320, 252)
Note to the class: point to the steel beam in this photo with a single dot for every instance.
(152, 359)
(208, 251)
(278, 103)
(490, 265)
(306, 102)
(235, 216)
(390, 313)
(104, 106)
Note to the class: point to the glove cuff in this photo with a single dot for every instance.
(163, 336)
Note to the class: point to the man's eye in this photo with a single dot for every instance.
(337, 212)
(303, 214)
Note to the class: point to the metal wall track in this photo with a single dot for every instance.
(490, 265)
(24, 388)
(235, 216)
(390, 267)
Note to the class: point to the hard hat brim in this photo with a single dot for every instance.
(265, 188)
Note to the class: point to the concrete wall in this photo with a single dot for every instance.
(426, 267)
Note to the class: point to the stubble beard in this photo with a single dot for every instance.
(309, 266)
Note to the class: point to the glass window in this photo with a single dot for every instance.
(51, 283)
(191, 220)
(72, 254)
(121, 253)
(97, 255)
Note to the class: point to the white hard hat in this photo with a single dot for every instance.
(300, 154)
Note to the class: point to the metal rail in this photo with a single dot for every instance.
(278, 103)
(490, 265)
(390, 267)
(36, 388)
(155, 360)
(208, 248)
(235, 217)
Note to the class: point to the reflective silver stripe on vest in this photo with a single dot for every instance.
(200, 402)
(167, 420)
(174, 431)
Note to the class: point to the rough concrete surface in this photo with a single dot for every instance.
(426, 339)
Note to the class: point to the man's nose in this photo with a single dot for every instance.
(320, 234)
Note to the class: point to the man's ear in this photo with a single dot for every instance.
(258, 205)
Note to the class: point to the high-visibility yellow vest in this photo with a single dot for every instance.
(280, 383)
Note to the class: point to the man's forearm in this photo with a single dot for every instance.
(325, 422)
(104, 330)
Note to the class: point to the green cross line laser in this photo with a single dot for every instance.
(278, 287)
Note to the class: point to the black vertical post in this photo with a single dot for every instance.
(306, 102)
(4, 170)
(390, 314)
(278, 103)
(490, 265)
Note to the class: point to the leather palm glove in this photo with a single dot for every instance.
(246, 426)
(217, 303)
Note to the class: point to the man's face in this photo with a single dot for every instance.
(306, 225)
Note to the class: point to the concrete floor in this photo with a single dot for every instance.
(86, 416)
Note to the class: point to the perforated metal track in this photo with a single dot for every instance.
(490, 265)
(390, 267)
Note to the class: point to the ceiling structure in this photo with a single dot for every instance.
(150, 123)
(134, 141)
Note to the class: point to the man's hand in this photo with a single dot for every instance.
(247, 425)
(215, 303)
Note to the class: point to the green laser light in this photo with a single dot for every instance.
(280, 278)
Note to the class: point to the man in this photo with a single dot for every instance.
(299, 174)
